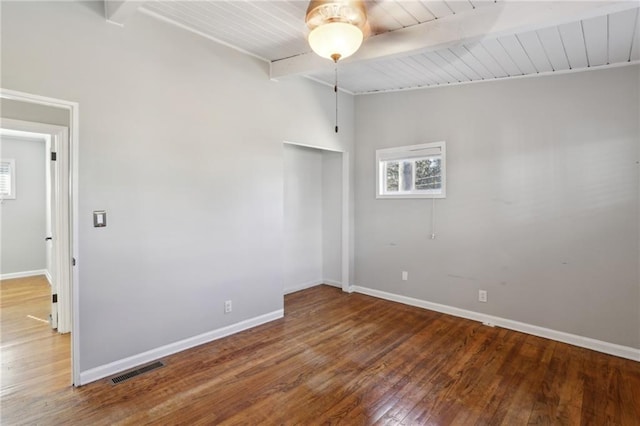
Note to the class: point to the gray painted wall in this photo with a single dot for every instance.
(181, 144)
(541, 208)
(22, 220)
(332, 216)
(25, 111)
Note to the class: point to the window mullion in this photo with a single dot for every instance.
(414, 171)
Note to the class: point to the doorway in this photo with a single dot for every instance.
(33, 115)
(35, 234)
(316, 217)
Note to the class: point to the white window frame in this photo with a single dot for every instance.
(410, 153)
(11, 195)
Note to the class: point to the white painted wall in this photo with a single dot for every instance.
(181, 144)
(22, 220)
(541, 208)
(302, 217)
(332, 217)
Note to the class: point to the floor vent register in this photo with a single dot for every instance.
(138, 371)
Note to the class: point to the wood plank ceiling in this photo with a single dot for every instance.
(275, 31)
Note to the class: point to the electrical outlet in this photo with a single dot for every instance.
(227, 306)
(482, 295)
(405, 275)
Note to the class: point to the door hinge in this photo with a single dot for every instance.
(54, 297)
(54, 156)
(73, 261)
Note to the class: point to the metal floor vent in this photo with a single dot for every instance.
(138, 371)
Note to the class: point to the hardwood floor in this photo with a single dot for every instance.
(337, 359)
(33, 355)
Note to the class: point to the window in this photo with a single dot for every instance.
(416, 171)
(7, 179)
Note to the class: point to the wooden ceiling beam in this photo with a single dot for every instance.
(492, 21)
(118, 11)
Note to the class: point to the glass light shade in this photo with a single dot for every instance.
(335, 38)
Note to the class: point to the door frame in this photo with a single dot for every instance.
(68, 150)
(346, 219)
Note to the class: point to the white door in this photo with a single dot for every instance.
(52, 231)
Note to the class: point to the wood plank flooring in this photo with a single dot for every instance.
(335, 358)
(33, 355)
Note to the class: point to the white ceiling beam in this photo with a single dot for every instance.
(118, 11)
(502, 18)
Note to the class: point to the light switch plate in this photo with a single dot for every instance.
(99, 218)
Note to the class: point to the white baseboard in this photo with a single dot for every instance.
(310, 284)
(332, 283)
(560, 336)
(112, 368)
(302, 286)
(48, 275)
(23, 274)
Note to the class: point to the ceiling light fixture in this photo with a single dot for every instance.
(336, 27)
(337, 31)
